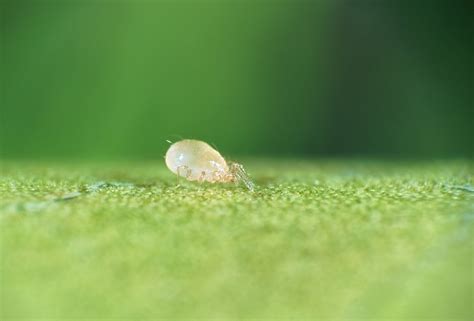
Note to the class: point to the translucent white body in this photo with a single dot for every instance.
(197, 161)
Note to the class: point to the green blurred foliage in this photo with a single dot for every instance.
(116, 79)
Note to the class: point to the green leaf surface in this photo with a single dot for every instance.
(317, 240)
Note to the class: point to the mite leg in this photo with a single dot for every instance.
(220, 176)
(202, 177)
(185, 170)
(216, 176)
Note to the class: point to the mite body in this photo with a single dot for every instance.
(197, 161)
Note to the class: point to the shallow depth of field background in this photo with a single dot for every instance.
(115, 79)
(354, 119)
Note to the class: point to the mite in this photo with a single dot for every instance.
(195, 160)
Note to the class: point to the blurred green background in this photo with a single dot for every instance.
(116, 79)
